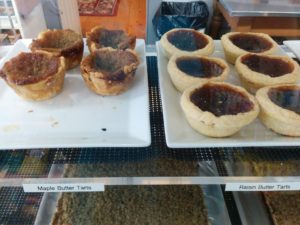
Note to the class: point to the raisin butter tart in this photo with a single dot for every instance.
(109, 71)
(66, 43)
(183, 41)
(218, 109)
(238, 43)
(280, 108)
(35, 76)
(257, 71)
(186, 71)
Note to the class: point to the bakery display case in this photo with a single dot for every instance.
(145, 131)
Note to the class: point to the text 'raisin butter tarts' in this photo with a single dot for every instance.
(186, 71)
(183, 41)
(257, 71)
(35, 76)
(66, 43)
(218, 109)
(100, 37)
(109, 71)
(280, 108)
(238, 43)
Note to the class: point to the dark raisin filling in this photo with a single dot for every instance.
(221, 100)
(187, 40)
(286, 97)
(272, 67)
(199, 67)
(251, 43)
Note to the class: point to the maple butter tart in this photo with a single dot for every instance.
(183, 41)
(257, 71)
(100, 37)
(280, 108)
(66, 43)
(238, 43)
(186, 71)
(109, 71)
(35, 76)
(218, 109)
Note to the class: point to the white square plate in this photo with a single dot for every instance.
(294, 46)
(180, 135)
(76, 117)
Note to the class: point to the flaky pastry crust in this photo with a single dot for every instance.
(170, 49)
(211, 125)
(35, 76)
(182, 80)
(253, 80)
(232, 52)
(109, 71)
(100, 37)
(66, 43)
(276, 118)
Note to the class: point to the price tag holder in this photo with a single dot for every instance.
(285, 186)
(76, 187)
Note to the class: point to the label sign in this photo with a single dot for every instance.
(288, 186)
(78, 187)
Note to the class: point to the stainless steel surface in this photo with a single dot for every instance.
(278, 8)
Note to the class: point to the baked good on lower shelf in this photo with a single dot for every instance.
(284, 207)
(218, 109)
(257, 71)
(280, 108)
(134, 205)
(183, 41)
(161, 205)
(186, 71)
(66, 43)
(109, 71)
(100, 37)
(35, 76)
(240, 43)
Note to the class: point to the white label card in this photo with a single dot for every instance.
(288, 186)
(76, 187)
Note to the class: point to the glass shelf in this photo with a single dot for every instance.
(156, 164)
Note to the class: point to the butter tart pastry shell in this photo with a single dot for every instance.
(207, 123)
(125, 41)
(276, 118)
(66, 43)
(43, 87)
(253, 80)
(169, 49)
(114, 82)
(232, 52)
(182, 80)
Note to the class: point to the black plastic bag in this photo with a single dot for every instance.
(180, 15)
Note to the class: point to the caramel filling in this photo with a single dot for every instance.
(199, 67)
(187, 40)
(221, 100)
(286, 97)
(273, 67)
(251, 42)
(116, 39)
(57, 39)
(29, 68)
(112, 63)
